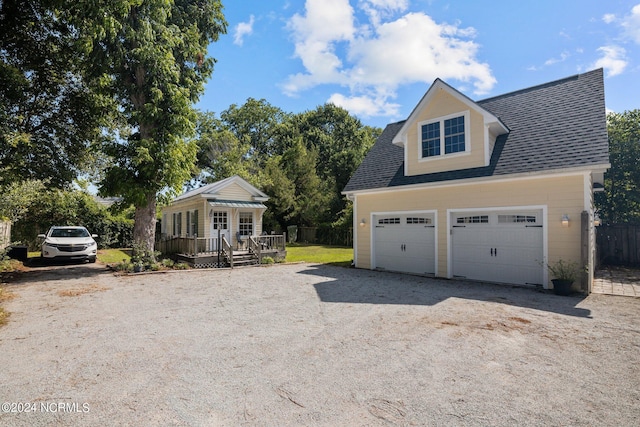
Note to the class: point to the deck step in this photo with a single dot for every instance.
(244, 259)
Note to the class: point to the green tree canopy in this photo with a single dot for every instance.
(341, 142)
(150, 57)
(303, 161)
(620, 202)
(49, 119)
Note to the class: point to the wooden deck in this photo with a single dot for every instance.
(213, 253)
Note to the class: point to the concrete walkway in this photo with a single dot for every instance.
(612, 280)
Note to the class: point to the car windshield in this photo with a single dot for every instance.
(69, 232)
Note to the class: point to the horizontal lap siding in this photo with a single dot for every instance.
(562, 195)
(443, 105)
(235, 192)
(195, 204)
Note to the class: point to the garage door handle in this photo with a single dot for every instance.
(491, 251)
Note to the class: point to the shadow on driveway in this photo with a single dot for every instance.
(348, 285)
(39, 269)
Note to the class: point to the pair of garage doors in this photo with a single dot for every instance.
(504, 247)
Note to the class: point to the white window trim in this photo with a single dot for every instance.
(253, 221)
(190, 222)
(467, 137)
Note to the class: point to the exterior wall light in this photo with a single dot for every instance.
(565, 220)
(363, 222)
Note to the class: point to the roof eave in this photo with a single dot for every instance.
(601, 167)
(489, 118)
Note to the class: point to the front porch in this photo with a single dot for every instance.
(214, 252)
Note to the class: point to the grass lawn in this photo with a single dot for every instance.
(322, 254)
(113, 256)
(105, 256)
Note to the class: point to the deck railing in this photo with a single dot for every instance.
(196, 246)
(255, 248)
(227, 250)
(188, 245)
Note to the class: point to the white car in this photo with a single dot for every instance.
(69, 243)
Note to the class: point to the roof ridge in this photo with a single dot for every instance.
(540, 86)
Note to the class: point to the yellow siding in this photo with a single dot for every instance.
(443, 104)
(560, 195)
(235, 192)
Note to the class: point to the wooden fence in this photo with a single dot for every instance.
(618, 244)
(326, 236)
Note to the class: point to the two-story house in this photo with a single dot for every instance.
(487, 190)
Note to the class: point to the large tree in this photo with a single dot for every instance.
(620, 202)
(341, 142)
(150, 56)
(291, 156)
(49, 119)
(221, 153)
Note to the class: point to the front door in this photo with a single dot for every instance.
(220, 221)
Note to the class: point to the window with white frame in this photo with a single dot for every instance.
(246, 223)
(219, 220)
(446, 135)
(177, 223)
(192, 223)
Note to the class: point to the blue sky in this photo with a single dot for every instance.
(376, 58)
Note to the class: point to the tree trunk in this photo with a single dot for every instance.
(144, 227)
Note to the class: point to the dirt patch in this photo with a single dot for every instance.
(312, 345)
(81, 291)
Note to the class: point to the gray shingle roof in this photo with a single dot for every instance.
(554, 126)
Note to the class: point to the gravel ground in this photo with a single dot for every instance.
(311, 345)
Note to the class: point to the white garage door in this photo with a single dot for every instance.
(504, 247)
(405, 243)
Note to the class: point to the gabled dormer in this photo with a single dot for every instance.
(447, 131)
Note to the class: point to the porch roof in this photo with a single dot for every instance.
(236, 204)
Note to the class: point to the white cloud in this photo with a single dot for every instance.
(563, 57)
(374, 59)
(613, 60)
(631, 24)
(365, 106)
(415, 48)
(316, 34)
(243, 29)
(608, 18)
(380, 9)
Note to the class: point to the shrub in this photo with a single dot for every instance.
(564, 270)
(267, 260)
(123, 266)
(181, 266)
(167, 263)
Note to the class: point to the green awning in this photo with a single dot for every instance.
(236, 204)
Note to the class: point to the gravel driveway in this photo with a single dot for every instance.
(311, 345)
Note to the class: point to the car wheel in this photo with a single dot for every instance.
(92, 259)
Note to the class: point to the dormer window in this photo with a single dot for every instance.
(444, 136)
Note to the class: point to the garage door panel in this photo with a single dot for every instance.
(405, 243)
(498, 247)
